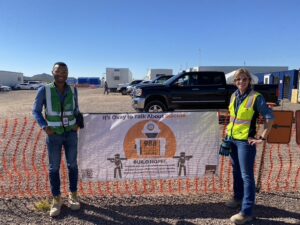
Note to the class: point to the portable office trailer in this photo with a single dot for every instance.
(286, 80)
(154, 73)
(115, 76)
(11, 78)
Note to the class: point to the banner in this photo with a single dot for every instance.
(148, 145)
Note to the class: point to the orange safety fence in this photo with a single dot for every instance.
(24, 168)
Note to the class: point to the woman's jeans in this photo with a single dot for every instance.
(55, 142)
(242, 158)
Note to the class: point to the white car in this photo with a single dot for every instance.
(130, 87)
(4, 88)
(31, 85)
(122, 88)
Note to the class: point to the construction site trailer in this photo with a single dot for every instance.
(115, 76)
(154, 73)
(11, 79)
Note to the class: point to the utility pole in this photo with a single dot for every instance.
(199, 59)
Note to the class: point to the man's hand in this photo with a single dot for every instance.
(48, 131)
(76, 128)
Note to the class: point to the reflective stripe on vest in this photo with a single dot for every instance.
(239, 125)
(59, 124)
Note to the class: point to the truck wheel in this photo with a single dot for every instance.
(155, 106)
(123, 92)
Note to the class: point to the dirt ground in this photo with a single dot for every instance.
(16, 103)
(271, 208)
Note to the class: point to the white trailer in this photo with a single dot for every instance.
(115, 76)
(153, 73)
(11, 78)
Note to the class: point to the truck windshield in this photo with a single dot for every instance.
(169, 81)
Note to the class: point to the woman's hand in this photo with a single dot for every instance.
(253, 141)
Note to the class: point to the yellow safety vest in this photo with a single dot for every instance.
(239, 125)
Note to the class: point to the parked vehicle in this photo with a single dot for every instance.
(130, 87)
(158, 80)
(192, 90)
(122, 87)
(161, 79)
(31, 85)
(4, 88)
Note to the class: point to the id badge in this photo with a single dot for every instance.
(65, 121)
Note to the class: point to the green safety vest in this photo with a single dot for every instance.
(60, 120)
(239, 125)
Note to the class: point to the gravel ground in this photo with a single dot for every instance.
(187, 209)
(271, 208)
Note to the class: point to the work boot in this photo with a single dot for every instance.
(233, 203)
(73, 201)
(56, 206)
(240, 218)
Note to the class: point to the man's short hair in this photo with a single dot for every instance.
(60, 64)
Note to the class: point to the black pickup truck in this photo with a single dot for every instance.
(192, 90)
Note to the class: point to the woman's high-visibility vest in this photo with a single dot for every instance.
(239, 125)
(60, 117)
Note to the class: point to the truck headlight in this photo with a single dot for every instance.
(138, 92)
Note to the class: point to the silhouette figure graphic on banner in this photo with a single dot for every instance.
(181, 162)
(118, 165)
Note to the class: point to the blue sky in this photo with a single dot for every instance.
(90, 35)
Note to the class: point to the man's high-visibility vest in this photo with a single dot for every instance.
(60, 117)
(239, 125)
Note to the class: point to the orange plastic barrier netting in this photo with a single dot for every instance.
(24, 168)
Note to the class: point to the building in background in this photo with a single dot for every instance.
(11, 78)
(252, 69)
(154, 73)
(286, 80)
(115, 76)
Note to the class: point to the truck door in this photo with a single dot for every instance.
(212, 90)
(199, 90)
(185, 91)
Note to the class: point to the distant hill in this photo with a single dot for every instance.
(40, 77)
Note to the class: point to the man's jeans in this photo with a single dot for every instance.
(55, 143)
(242, 158)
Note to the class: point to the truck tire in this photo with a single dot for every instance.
(155, 106)
(123, 92)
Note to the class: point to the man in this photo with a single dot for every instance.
(60, 103)
(106, 88)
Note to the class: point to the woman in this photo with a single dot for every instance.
(245, 107)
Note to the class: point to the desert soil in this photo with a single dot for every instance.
(271, 208)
